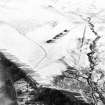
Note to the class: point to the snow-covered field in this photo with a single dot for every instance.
(25, 26)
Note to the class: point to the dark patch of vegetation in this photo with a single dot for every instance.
(57, 97)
